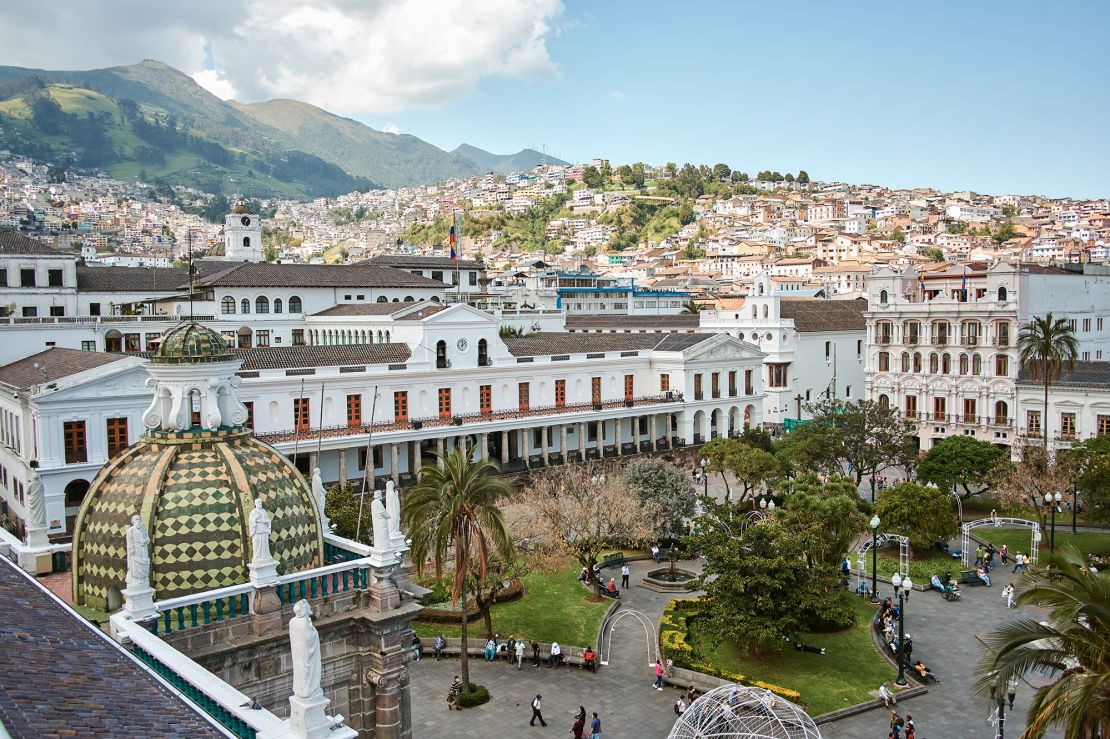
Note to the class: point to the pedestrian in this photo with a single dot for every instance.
(895, 723)
(690, 695)
(510, 650)
(994, 517)
(625, 573)
(1008, 595)
(537, 712)
(679, 706)
(535, 653)
(581, 715)
(907, 647)
(453, 694)
(979, 555)
(438, 647)
(417, 647)
(578, 731)
(910, 728)
(595, 726)
(658, 684)
(888, 697)
(490, 650)
(1018, 559)
(520, 654)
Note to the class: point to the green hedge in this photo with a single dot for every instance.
(478, 695)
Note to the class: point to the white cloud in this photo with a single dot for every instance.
(618, 95)
(351, 56)
(391, 127)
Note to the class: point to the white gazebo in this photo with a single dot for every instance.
(742, 712)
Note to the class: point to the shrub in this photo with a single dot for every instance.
(478, 695)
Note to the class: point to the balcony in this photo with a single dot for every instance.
(969, 340)
(913, 340)
(883, 339)
(940, 340)
(1002, 341)
(415, 424)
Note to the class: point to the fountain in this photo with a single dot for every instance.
(670, 579)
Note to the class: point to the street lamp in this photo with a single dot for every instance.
(1074, 507)
(902, 588)
(767, 504)
(705, 478)
(874, 558)
(1052, 501)
(1004, 702)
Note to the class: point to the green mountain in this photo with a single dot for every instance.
(522, 161)
(150, 121)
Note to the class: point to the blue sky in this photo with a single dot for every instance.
(998, 97)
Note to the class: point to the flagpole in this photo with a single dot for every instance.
(458, 254)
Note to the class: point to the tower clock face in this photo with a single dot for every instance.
(245, 221)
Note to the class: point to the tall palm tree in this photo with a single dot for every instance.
(453, 512)
(1071, 646)
(1045, 345)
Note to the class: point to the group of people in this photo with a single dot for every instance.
(589, 580)
(585, 726)
(947, 587)
(898, 725)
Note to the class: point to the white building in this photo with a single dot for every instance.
(242, 236)
(1078, 406)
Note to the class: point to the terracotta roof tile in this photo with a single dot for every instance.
(297, 357)
(545, 344)
(13, 242)
(131, 279)
(667, 322)
(816, 314)
(54, 364)
(264, 274)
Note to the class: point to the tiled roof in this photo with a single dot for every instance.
(45, 648)
(13, 242)
(264, 274)
(131, 279)
(364, 309)
(429, 309)
(815, 314)
(54, 364)
(668, 322)
(403, 261)
(1085, 374)
(296, 357)
(545, 344)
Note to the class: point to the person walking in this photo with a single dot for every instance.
(438, 647)
(1004, 554)
(911, 730)
(537, 711)
(535, 653)
(1019, 559)
(658, 684)
(625, 572)
(453, 694)
(578, 731)
(978, 555)
(595, 726)
(1008, 595)
(520, 654)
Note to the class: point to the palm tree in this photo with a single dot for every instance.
(1071, 646)
(1046, 344)
(691, 307)
(453, 511)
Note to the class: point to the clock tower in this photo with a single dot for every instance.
(242, 235)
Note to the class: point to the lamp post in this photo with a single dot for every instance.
(1074, 507)
(872, 487)
(902, 590)
(705, 478)
(874, 559)
(767, 504)
(1052, 501)
(1004, 702)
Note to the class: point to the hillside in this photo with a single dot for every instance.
(522, 161)
(391, 159)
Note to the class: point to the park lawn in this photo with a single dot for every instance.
(555, 607)
(850, 672)
(1018, 540)
(921, 567)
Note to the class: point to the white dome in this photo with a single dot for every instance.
(744, 713)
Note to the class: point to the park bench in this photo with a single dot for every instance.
(616, 559)
(571, 655)
(968, 577)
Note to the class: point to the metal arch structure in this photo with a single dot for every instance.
(605, 643)
(1035, 534)
(881, 541)
(742, 712)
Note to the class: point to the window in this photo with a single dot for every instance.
(884, 361)
(917, 361)
(776, 375)
(3, 278)
(262, 304)
(298, 337)
(522, 395)
(1002, 334)
(483, 353)
(963, 364)
(883, 296)
(94, 308)
(698, 394)
(1002, 293)
(441, 355)
(911, 406)
(1033, 423)
(1067, 425)
(27, 278)
(934, 363)
(560, 393)
(277, 305)
(595, 390)
(940, 410)
(250, 414)
(445, 402)
(301, 413)
(227, 305)
(485, 399)
(1086, 324)
(354, 410)
(262, 337)
(748, 390)
(472, 278)
(828, 350)
(437, 275)
(969, 410)
(715, 384)
(400, 406)
(151, 341)
(1102, 425)
(88, 346)
(1001, 413)
(294, 304)
(117, 435)
(905, 361)
(131, 343)
(30, 312)
(976, 364)
(57, 310)
(246, 242)
(73, 433)
(732, 383)
(859, 346)
(630, 386)
(940, 333)
(884, 401)
(913, 333)
(54, 277)
(664, 382)
(883, 334)
(245, 305)
(1001, 365)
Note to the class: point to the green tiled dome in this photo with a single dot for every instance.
(194, 492)
(191, 343)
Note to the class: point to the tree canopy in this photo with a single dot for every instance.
(919, 512)
(961, 461)
(660, 485)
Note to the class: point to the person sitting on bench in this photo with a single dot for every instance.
(925, 673)
(935, 582)
(556, 655)
(612, 589)
(589, 659)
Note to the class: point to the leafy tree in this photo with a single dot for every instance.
(592, 177)
(789, 177)
(1005, 233)
(454, 512)
(1045, 346)
(752, 469)
(721, 171)
(809, 447)
(1036, 472)
(899, 235)
(962, 461)
(1009, 211)
(934, 254)
(636, 179)
(661, 486)
(625, 173)
(1068, 650)
(690, 307)
(827, 514)
(342, 507)
(869, 437)
(1091, 461)
(803, 177)
(685, 213)
(956, 228)
(694, 252)
(920, 512)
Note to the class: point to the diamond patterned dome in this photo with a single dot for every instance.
(191, 343)
(194, 491)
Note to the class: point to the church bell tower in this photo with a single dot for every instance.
(242, 235)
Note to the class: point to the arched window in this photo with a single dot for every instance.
(976, 364)
(483, 353)
(227, 305)
(882, 299)
(396, 300)
(905, 361)
(755, 311)
(262, 304)
(277, 305)
(435, 299)
(934, 364)
(760, 288)
(946, 365)
(246, 242)
(382, 299)
(1001, 413)
(884, 401)
(381, 337)
(408, 299)
(294, 304)
(245, 305)
(963, 364)
(387, 337)
(764, 311)
(917, 361)
(441, 354)
(1002, 292)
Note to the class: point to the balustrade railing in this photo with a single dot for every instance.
(201, 609)
(341, 577)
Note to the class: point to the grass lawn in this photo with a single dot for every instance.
(554, 608)
(921, 567)
(849, 672)
(1018, 540)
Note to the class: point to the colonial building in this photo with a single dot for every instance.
(1078, 406)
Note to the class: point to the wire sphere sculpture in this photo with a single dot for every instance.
(743, 712)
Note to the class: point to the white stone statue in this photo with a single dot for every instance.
(260, 527)
(304, 642)
(393, 510)
(138, 555)
(36, 503)
(380, 519)
(318, 490)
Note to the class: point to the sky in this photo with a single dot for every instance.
(998, 97)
